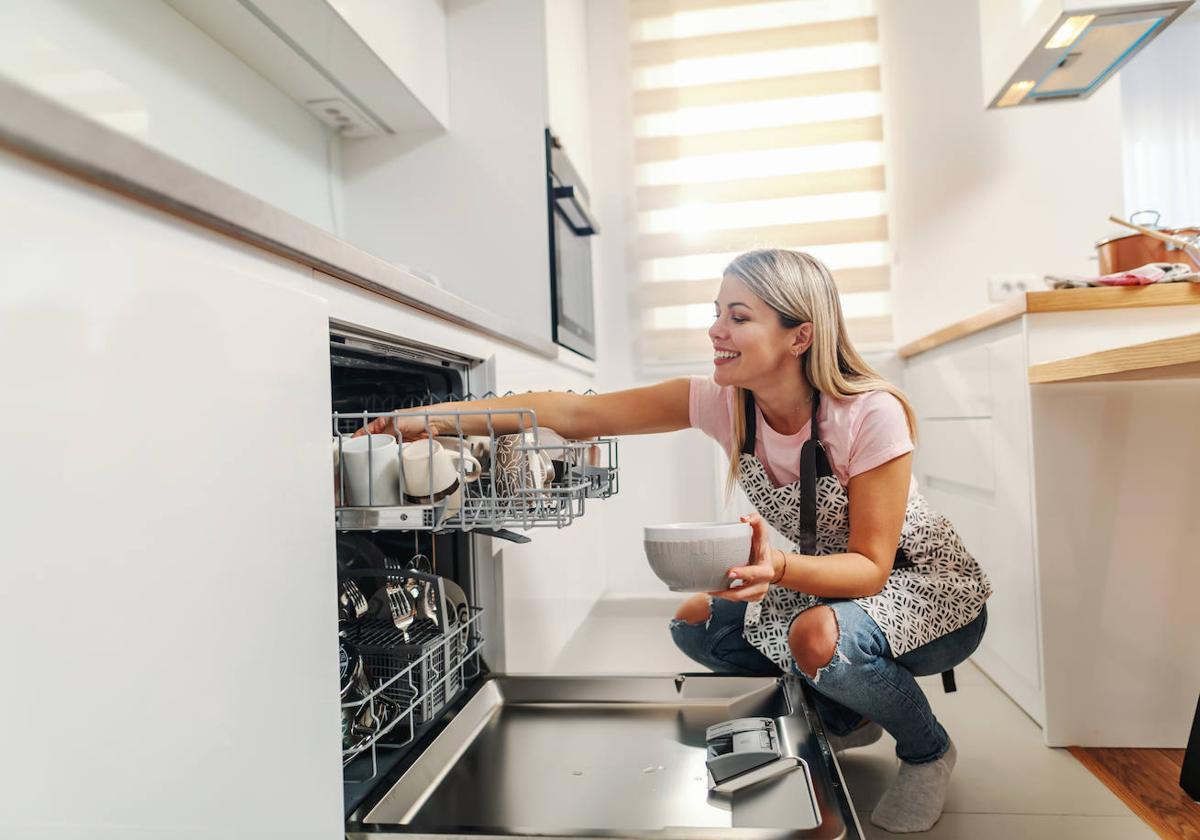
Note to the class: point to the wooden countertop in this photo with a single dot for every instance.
(1166, 358)
(1062, 300)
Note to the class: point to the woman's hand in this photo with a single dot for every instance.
(766, 563)
(406, 426)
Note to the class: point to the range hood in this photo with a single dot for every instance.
(1038, 51)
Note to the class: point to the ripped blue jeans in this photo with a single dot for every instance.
(863, 681)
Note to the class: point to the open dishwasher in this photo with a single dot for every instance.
(437, 743)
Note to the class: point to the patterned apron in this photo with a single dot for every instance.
(935, 586)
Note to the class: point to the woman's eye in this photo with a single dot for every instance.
(739, 320)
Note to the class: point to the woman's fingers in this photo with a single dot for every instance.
(758, 525)
(758, 573)
(750, 592)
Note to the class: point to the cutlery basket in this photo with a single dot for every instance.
(425, 672)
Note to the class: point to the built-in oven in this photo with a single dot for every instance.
(572, 227)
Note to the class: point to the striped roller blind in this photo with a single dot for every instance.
(757, 124)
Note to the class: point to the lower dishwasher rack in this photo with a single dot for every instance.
(612, 756)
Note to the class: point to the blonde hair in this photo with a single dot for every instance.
(800, 289)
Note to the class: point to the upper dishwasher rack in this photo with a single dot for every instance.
(528, 479)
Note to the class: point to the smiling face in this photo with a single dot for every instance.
(750, 345)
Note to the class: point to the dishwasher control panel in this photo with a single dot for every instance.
(744, 751)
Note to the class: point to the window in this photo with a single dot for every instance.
(756, 124)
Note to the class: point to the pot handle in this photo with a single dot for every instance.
(1153, 224)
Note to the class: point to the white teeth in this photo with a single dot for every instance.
(725, 354)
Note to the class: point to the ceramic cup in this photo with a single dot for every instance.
(370, 470)
(562, 455)
(480, 446)
(477, 447)
(432, 472)
(519, 470)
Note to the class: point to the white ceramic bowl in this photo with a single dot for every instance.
(696, 556)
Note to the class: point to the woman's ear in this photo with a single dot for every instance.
(802, 339)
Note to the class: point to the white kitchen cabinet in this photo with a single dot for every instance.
(381, 66)
(952, 385)
(166, 620)
(1077, 499)
(569, 102)
(973, 464)
(1117, 467)
(469, 206)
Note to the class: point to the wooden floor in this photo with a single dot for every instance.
(1147, 780)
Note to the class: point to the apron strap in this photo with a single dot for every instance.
(808, 483)
(750, 424)
(814, 464)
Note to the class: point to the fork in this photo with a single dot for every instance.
(352, 599)
(401, 605)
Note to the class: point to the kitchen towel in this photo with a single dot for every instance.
(1143, 276)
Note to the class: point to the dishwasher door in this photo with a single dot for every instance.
(612, 756)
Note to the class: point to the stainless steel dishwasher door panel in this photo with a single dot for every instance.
(612, 757)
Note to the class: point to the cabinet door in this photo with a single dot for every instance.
(953, 382)
(167, 589)
(978, 472)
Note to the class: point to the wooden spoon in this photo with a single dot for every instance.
(1156, 234)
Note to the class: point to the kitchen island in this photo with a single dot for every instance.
(1058, 434)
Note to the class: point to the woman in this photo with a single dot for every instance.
(880, 589)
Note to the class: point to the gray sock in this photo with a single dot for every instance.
(916, 797)
(868, 732)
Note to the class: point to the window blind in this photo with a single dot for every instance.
(756, 124)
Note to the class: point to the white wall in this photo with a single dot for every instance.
(469, 205)
(1161, 127)
(976, 192)
(140, 67)
(664, 478)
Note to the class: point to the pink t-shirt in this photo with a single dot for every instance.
(859, 433)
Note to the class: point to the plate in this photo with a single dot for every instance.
(459, 610)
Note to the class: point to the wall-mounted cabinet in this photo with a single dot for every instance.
(365, 67)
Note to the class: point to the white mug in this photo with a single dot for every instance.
(541, 464)
(470, 446)
(480, 446)
(371, 468)
(557, 448)
(432, 472)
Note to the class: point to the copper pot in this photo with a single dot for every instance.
(1133, 250)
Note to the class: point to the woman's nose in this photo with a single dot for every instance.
(715, 331)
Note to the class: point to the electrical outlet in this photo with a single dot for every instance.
(343, 117)
(1005, 286)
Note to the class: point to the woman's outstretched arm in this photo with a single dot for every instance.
(654, 408)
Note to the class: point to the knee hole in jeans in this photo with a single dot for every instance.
(695, 610)
(813, 639)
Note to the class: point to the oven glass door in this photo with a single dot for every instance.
(574, 322)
